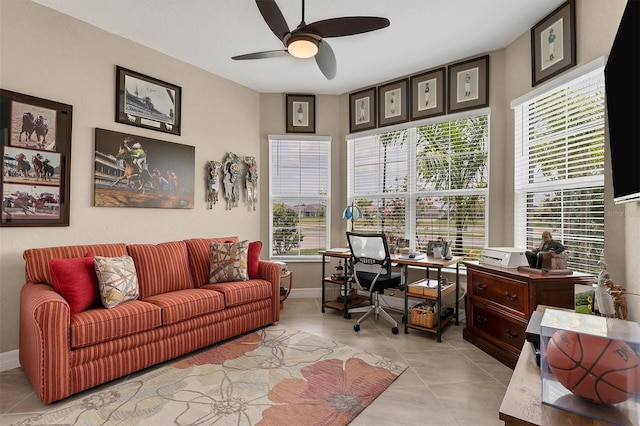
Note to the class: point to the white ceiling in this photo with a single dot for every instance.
(206, 33)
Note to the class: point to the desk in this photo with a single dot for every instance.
(438, 264)
(348, 300)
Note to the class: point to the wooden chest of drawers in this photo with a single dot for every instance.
(500, 302)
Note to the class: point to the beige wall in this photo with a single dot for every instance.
(76, 65)
(49, 55)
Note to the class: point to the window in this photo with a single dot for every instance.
(422, 183)
(299, 195)
(559, 164)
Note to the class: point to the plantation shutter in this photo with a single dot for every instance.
(559, 166)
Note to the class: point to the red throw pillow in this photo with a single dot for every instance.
(76, 280)
(253, 259)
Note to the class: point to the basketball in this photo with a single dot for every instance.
(601, 370)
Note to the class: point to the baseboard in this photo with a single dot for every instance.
(9, 360)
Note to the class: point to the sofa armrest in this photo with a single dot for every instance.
(271, 272)
(44, 341)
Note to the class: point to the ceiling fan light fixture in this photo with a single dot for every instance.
(302, 46)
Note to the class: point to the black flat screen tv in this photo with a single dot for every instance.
(622, 94)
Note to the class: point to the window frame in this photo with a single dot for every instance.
(412, 194)
(327, 198)
(526, 233)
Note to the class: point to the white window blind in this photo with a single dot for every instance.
(422, 183)
(559, 165)
(299, 196)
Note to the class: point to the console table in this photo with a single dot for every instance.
(500, 302)
(522, 404)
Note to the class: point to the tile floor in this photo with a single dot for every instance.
(447, 383)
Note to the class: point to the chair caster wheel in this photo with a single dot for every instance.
(348, 316)
(357, 328)
(394, 330)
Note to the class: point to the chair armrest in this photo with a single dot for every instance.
(271, 271)
(44, 341)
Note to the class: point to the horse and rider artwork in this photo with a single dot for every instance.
(230, 172)
(135, 171)
(33, 177)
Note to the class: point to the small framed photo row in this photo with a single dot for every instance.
(469, 84)
(393, 103)
(428, 94)
(553, 43)
(301, 113)
(362, 110)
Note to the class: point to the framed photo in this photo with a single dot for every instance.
(431, 245)
(469, 84)
(553, 43)
(427, 94)
(134, 171)
(147, 102)
(393, 103)
(301, 113)
(362, 110)
(36, 151)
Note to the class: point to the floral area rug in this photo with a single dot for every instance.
(274, 376)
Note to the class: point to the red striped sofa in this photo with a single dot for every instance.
(177, 312)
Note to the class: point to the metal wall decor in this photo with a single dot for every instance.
(251, 180)
(213, 182)
(232, 180)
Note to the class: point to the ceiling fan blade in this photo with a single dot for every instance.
(273, 17)
(326, 60)
(262, 55)
(346, 26)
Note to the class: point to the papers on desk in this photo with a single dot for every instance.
(416, 256)
(338, 250)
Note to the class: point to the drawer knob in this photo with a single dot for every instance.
(510, 296)
(480, 320)
(481, 287)
(512, 335)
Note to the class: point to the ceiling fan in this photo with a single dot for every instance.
(307, 41)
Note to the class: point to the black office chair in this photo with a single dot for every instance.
(371, 269)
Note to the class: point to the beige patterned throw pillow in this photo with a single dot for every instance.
(228, 262)
(117, 279)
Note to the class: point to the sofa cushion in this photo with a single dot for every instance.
(117, 280)
(75, 279)
(184, 304)
(199, 252)
(100, 325)
(38, 260)
(228, 262)
(253, 259)
(161, 267)
(238, 293)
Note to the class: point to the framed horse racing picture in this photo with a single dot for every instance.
(147, 102)
(135, 171)
(35, 136)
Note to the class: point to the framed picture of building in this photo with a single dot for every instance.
(147, 102)
(35, 137)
